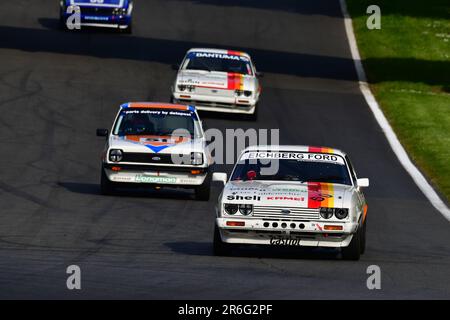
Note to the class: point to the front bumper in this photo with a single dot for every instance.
(244, 105)
(112, 21)
(176, 177)
(304, 233)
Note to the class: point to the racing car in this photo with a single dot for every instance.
(115, 14)
(156, 145)
(218, 80)
(292, 196)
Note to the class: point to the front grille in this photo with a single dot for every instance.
(215, 92)
(95, 11)
(139, 157)
(277, 212)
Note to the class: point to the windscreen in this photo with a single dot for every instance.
(218, 62)
(301, 167)
(155, 122)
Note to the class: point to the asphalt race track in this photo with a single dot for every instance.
(56, 88)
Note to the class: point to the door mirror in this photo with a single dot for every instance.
(102, 132)
(220, 176)
(363, 182)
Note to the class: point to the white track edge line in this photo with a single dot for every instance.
(395, 144)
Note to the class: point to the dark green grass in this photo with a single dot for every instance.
(408, 67)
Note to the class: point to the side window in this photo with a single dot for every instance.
(352, 171)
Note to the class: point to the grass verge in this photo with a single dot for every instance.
(407, 63)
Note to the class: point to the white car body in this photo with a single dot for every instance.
(216, 90)
(155, 159)
(288, 212)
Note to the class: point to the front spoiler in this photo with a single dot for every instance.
(182, 179)
(311, 235)
(216, 104)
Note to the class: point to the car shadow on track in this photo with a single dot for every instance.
(94, 189)
(253, 251)
(113, 45)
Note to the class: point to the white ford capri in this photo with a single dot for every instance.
(292, 196)
(218, 80)
(156, 145)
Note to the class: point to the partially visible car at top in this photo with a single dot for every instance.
(218, 80)
(156, 145)
(116, 14)
(292, 196)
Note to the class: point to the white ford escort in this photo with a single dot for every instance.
(292, 196)
(218, 80)
(157, 145)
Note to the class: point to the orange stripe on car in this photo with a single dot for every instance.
(365, 212)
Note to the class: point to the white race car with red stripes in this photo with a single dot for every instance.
(292, 196)
(218, 80)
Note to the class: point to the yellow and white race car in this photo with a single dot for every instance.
(218, 80)
(292, 196)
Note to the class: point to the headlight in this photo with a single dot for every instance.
(231, 208)
(245, 209)
(326, 213)
(181, 87)
(247, 93)
(341, 213)
(119, 11)
(239, 92)
(115, 155)
(196, 158)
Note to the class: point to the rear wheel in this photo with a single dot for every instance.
(363, 237)
(353, 251)
(107, 187)
(221, 248)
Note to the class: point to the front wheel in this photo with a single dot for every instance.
(353, 251)
(203, 191)
(221, 248)
(254, 115)
(107, 187)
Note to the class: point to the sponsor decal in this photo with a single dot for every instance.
(301, 156)
(231, 55)
(98, 3)
(95, 18)
(178, 113)
(284, 241)
(286, 198)
(248, 198)
(155, 179)
(269, 194)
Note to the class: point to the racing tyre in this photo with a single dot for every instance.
(202, 192)
(221, 248)
(363, 238)
(353, 251)
(62, 23)
(254, 116)
(129, 30)
(106, 187)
